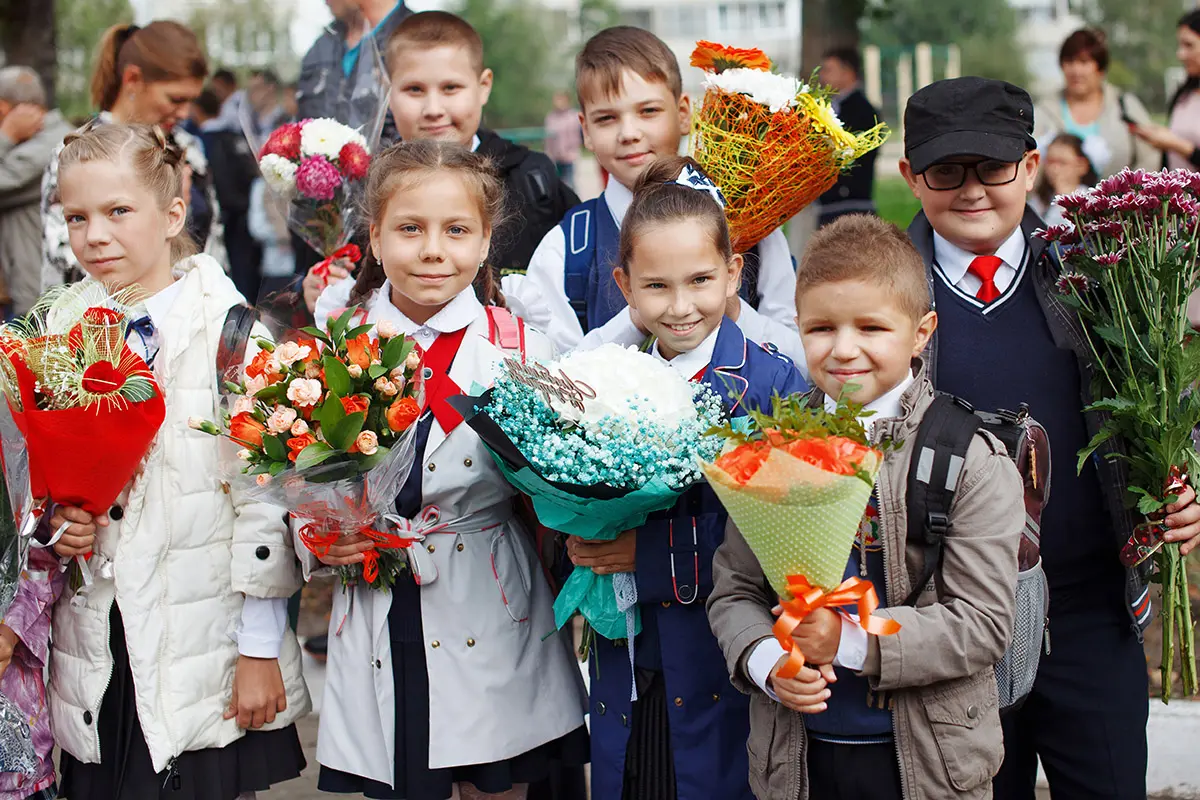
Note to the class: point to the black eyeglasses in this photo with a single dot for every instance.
(951, 175)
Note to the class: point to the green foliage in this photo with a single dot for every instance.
(518, 48)
(1141, 41)
(894, 201)
(80, 26)
(246, 34)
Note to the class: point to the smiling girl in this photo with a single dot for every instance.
(459, 686)
(175, 676)
(685, 737)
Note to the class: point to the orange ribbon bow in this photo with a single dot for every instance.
(808, 598)
(350, 252)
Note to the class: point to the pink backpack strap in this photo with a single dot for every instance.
(506, 330)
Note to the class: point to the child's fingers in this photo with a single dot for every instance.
(828, 673)
(1186, 498)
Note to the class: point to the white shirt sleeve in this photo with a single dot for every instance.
(762, 329)
(263, 624)
(538, 296)
(852, 649)
(777, 282)
(762, 660)
(336, 296)
(618, 330)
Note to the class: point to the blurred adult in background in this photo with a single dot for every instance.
(29, 136)
(1180, 139)
(291, 110)
(263, 94)
(841, 70)
(147, 75)
(234, 169)
(1065, 169)
(564, 137)
(224, 84)
(1090, 107)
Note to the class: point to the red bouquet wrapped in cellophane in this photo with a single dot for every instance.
(87, 406)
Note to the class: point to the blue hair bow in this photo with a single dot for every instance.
(690, 177)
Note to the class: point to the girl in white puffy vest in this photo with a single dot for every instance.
(175, 676)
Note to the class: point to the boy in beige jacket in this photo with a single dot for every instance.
(913, 715)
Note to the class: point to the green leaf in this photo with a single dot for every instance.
(330, 413)
(375, 459)
(376, 371)
(276, 391)
(1110, 334)
(316, 453)
(346, 431)
(337, 377)
(259, 469)
(395, 351)
(274, 447)
(317, 333)
(356, 332)
(1112, 404)
(277, 468)
(1148, 504)
(1103, 435)
(337, 329)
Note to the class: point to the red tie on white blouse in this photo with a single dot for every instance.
(984, 268)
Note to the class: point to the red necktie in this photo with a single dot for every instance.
(438, 385)
(984, 268)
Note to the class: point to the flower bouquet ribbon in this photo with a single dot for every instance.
(807, 598)
(771, 142)
(797, 487)
(349, 252)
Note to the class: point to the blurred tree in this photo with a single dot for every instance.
(595, 16)
(247, 34)
(1141, 40)
(27, 37)
(81, 24)
(517, 47)
(986, 32)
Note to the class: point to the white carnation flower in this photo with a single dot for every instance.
(770, 89)
(627, 383)
(279, 173)
(327, 137)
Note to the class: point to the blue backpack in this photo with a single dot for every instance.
(592, 239)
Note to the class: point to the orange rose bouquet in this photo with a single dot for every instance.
(325, 425)
(797, 486)
(771, 142)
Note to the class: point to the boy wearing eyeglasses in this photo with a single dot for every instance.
(1004, 338)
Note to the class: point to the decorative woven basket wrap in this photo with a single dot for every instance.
(797, 518)
(771, 165)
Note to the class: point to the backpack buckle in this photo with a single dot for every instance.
(936, 526)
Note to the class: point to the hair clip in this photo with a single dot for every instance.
(692, 178)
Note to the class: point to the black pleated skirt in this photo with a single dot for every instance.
(649, 758)
(253, 763)
(414, 779)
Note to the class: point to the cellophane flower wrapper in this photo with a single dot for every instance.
(797, 518)
(315, 183)
(771, 142)
(17, 753)
(602, 470)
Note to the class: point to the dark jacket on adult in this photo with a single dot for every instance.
(538, 200)
(1067, 331)
(852, 194)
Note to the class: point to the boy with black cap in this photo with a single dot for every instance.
(1004, 338)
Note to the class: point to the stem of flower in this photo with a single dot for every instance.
(1166, 566)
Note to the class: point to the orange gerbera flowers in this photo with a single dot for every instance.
(713, 57)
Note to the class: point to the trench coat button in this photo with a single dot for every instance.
(972, 712)
(460, 547)
(115, 513)
(378, 664)
(470, 642)
(679, 702)
(87, 718)
(262, 553)
(666, 604)
(467, 462)
(431, 548)
(435, 644)
(600, 708)
(432, 467)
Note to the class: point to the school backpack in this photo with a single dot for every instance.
(938, 456)
(591, 236)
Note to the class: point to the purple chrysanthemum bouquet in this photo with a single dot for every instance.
(1128, 268)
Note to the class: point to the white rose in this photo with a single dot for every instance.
(327, 137)
(304, 392)
(262, 479)
(414, 359)
(289, 353)
(386, 387)
(279, 174)
(312, 370)
(367, 442)
(281, 420)
(245, 455)
(299, 428)
(255, 385)
(243, 404)
(386, 329)
(626, 383)
(355, 371)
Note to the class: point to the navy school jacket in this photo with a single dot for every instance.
(709, 719)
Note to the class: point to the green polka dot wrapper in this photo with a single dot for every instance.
(797, 518)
